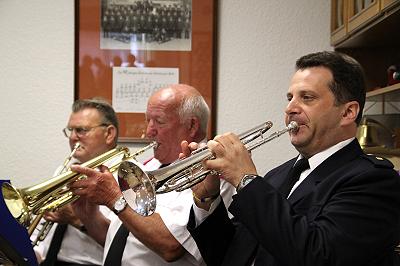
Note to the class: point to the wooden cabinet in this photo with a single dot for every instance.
(338, 20)
(349, 16)
(386, 3)
(360, 12)
(369, 31)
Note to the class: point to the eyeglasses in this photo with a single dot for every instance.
(80, 131)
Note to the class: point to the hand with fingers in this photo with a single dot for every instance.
(205, 192)
(64, 215)
(232, 159)
(100, 187)
(85, 210)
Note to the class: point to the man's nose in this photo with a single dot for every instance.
(292, 106)
(150, 130)
(74, 136)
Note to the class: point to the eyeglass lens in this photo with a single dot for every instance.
(79, 131)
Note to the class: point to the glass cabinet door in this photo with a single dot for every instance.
(338, 20)
(361, 11)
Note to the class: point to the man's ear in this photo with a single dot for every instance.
(111, 134)
(350, 112)
(194, 126)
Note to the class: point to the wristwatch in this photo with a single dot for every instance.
(246, 179)
(119, 205)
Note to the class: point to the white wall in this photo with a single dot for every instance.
(37, 71)
(258, 46)
(258, 43)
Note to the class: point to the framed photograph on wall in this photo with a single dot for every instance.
(127, 49)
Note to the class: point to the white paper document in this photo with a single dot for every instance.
(132, 86)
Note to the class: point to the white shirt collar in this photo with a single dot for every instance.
(318, 158)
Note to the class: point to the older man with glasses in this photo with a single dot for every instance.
(92, 123)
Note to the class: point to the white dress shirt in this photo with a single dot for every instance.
(174, 208)
(76, 246)
(317, 159)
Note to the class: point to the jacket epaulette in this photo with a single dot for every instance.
(378, 161)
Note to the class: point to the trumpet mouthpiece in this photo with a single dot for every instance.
(77, 145)
(293, 126)
(154, 144)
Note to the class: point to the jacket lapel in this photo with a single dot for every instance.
(277, 176)
(330, 165)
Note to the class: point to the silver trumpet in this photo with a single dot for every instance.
(140, 187)
(46, 225)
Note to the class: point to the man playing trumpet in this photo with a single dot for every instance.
(94, 124)
(341, 208)
(174, 113)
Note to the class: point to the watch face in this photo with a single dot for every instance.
(120, 204)
(247, 179)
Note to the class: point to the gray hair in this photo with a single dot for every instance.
(106, 111)
(195, 105)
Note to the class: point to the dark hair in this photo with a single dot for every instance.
(102, 106)
(348, 82)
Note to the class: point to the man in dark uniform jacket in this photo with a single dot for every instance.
(343, 210)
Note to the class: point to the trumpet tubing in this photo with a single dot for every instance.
(46, 226)
(183, 174)
(53, 193)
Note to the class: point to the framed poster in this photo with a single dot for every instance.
(127, 49)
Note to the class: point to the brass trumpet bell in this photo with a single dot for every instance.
(15, 203)
(54, 193)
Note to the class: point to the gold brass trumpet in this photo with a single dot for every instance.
(140, 187)
(51, 194)
(46, 225)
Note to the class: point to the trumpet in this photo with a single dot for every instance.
(46, 226)
(141, 187)
(52, 194)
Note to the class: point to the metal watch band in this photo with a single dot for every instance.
(246, 179)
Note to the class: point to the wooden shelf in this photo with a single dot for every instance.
(374, 42)
(390, 93)
(382, 151)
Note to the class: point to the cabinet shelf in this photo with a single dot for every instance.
(382, 151)
(392, 92)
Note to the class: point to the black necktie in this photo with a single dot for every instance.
(55, 245)
(293, 176)
(114, 254)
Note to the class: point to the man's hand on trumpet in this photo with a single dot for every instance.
(231, 161)
(100, 187)
(209, 188)
(64, 215)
